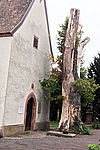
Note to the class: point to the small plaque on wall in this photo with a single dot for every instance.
(21, 110)
(39, 107)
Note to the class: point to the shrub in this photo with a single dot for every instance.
(93, 147)
(86, 129)
(80, 128)
(96, 124)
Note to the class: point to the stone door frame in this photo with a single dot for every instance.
(34, 110)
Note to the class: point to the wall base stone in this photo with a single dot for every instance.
(12, 130)
(44, 126)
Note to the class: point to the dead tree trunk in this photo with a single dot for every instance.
(70, 106)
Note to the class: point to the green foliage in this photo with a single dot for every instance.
(93, 147)
(78, 127)
(62, 35)
(89, 126)
(54, 124)
(96, 124)
(52, 85)
(94, 72)
(86, 129)
(86, 88)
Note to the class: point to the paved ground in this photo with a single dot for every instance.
(40, 141)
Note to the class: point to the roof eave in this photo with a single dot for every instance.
(23, 18)
(8, 34)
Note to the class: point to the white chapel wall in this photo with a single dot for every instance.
(5, 47)
(28, 65)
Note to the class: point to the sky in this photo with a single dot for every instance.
(89, 19)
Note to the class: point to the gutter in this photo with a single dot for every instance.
(48, 28)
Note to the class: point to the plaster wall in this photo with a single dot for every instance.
(28, 65)
(5, 47)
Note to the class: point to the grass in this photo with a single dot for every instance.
(54, 124)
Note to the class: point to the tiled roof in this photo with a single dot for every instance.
(12, 15)
(11, 12)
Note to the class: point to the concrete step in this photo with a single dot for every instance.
(60, 134)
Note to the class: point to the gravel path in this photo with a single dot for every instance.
(40, 141)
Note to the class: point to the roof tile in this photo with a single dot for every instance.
(11, 12)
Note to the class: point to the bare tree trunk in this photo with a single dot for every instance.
(71, 102)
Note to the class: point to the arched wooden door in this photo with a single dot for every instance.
(30, 113)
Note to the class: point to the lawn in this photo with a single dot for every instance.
(54, 124)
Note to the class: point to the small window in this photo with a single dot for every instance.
(35, 42)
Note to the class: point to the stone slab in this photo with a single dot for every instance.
(60, 134)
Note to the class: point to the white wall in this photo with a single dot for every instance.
(5, 47)
(28, 65)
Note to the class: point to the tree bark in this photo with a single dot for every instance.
(71, 101)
